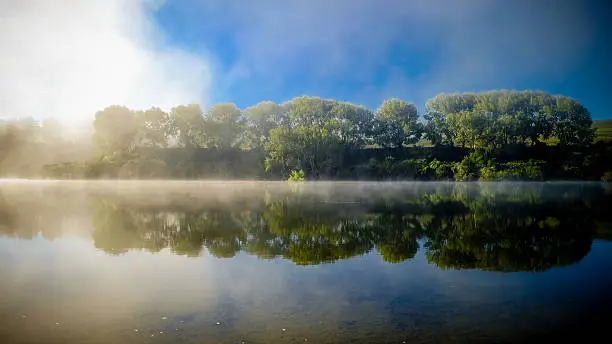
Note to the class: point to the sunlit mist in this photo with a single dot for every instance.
(68, 59)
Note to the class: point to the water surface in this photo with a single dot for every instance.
(255, 262)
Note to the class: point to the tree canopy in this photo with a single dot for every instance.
(324, 138)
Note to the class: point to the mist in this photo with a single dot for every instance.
(69, 59)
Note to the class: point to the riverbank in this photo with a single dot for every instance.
(537, 163)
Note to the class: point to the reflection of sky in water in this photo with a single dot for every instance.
(99, 297)
(60, 288)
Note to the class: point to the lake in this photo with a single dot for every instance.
(320, 262)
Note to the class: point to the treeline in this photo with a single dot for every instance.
(459, 226)
(491, 135)
(27, 145)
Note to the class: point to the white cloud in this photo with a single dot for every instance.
(71, 58)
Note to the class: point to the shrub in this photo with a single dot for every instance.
(410, 168)
(488, 173)
(65, 170)
(399, 169)
(296, 176)
(469, 168)
(522, 170)
(439, 169)
(607, 177)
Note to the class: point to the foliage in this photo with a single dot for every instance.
(65, 170)
(500, 118)
(314, 134)
(441, 169)
(261, 119)
(296, 176)
(522, 170)
(488, 173)
(224, 126)
(115, 129)
(487, 226)
(603, 130)
(188, 125)
(154, 128)
(471, 165)
(396, 124)
(27, 145)
(467, 136)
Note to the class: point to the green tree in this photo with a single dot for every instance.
(397, 123)
(314, 135)
(353, 125)
(225, 126)
(307, 148)
(188, 124)
(472, 129)
(261, 119)
(573, 123)
(310, 111)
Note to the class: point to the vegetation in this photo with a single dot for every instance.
(486, 226)
(26, 146)
(603, 130)
(496, 135)
(296, 176)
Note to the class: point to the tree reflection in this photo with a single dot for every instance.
(460, 226)
(517, 230)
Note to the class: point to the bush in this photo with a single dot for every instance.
(607, 177)
(469, 168)
(461, 172)
(66, 170)
(439, 170)
(143, 167)
(489, 173)
(103, 168)
(410, 168)
(399, 169)
(522, 170)
(296, 176)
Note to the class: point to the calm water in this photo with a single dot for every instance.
(213, 262)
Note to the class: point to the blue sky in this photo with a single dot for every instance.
(68, 59)
(366, 51)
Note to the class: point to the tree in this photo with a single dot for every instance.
(452, 103)
(155, 127)
(352, 124)
(511, 117)
(471, 129)
(541, 117)
(261, 119)
(309, 111)
(187, 122)
(307, 148)
(436, 129)
(11, 139)
(115, 129)
(315, 135)
(225, 126)
(573, 125)
(397, 123)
